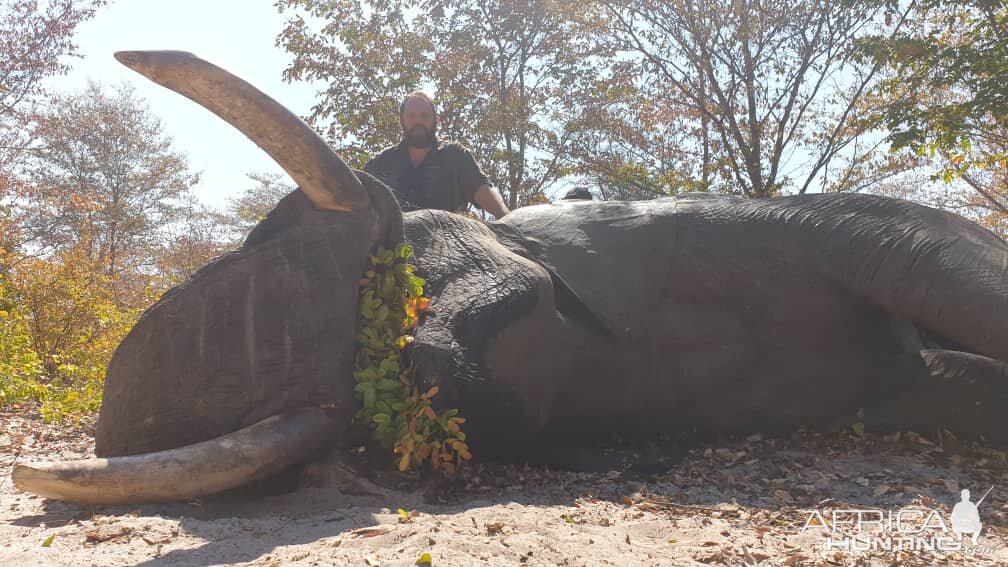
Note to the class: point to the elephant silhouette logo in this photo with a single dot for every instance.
(966, 516)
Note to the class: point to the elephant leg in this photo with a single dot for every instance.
(963, 392)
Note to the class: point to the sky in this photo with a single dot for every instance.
(238, 35)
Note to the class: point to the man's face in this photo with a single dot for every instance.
(419, 123)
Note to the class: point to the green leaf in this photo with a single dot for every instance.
(858, 429)
(416, 287)
(368, 298)
(386, 385)
(49, 541)
(424, 559)
(367, 312)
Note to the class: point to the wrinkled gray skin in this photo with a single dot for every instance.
(698, 313)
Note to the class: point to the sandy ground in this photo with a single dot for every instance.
(734, 502)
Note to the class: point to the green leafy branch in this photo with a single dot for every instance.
(391, 303)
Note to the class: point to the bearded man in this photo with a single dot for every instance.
(427, 173)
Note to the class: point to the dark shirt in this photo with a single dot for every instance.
(446, 179)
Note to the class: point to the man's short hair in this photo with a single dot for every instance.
(417, 94)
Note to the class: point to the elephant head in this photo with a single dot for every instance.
(267, 331)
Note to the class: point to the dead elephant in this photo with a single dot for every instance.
(696, 313)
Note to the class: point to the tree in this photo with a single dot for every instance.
(55, 332)
(502, 72)
(66, 311)
(34, 43)
(948, 73)
(197, 236)
(104, 176)
(101, 187)
(256, 201)
(767, 94)
(201, 233)
(634, 143)
(927, 186)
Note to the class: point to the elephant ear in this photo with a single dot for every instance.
(937, 269)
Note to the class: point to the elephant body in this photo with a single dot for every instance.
(696, 313)
(722, 314)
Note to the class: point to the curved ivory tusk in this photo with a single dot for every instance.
(231, 460)
(327, 181)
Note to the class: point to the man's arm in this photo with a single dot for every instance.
(488, 199)
(471, 175)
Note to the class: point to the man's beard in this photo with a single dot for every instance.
(420, 137)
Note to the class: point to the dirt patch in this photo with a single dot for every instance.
(734, 502)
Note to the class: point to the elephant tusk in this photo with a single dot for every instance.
(211, 466)
(325, 178)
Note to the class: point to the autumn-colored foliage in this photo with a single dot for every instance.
(91, 206)
(21, 371)
(403, 419)
(63, 326)
(44, 355)
(36, 41)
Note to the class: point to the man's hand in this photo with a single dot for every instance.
(488, 199)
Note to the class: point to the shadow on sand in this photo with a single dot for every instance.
(783, 475)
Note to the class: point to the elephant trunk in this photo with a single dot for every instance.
(937, 269)
(231, 460)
